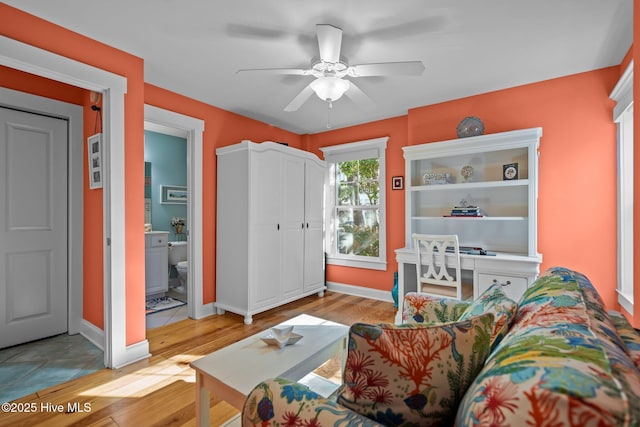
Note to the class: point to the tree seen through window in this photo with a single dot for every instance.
(357, 207)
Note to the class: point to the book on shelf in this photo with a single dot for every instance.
(466, 211)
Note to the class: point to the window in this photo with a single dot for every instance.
(355, 204)
(623, 117)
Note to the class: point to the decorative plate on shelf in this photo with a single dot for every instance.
(470, 126)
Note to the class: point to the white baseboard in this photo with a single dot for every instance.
(205, 310)
(133, 353)
(92, 333)
(360, 291)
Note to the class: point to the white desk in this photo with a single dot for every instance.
(515, 272)
(233, 371)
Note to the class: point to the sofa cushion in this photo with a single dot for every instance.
(413, 374)
(628, 334)
(281, 402)
(494, 300)
(561, 363)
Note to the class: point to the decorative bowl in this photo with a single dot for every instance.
(470, 126)
(281, 336)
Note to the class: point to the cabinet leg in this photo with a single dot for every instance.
(219, 311)
(321, 294)
(248, 319)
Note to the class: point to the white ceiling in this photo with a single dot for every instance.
(195, 47)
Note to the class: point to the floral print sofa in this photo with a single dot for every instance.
(557, 358)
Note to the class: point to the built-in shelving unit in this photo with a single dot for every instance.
(509, 206)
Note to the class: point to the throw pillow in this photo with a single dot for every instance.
(424, 308)
(413, 374)
(494, 300)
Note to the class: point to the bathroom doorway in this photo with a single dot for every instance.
(171, 124)
(166, 226)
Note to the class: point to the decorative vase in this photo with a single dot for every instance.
(394, 290)
(179, 229)
(467, 173)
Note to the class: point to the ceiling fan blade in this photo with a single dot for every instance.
(359, 98)
(410, 68)
(329, 42)
(288, 71)
(300, 99)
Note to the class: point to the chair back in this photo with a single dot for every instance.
(433, 253)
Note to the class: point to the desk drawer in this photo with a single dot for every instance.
(513, 287)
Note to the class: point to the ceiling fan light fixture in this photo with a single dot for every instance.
(329, 88)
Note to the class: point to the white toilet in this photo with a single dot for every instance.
(178, 258)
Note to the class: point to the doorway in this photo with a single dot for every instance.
(190, 128)
(62, 290)
(166, 226)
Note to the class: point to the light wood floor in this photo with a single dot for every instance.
(160, 391)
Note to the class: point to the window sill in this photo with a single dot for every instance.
(358, 263)
(626, 301)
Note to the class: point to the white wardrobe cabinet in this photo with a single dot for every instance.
(269, 238)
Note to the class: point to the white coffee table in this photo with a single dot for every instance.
(233, 371)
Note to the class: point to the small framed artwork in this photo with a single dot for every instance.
(397, 183)
(94, 150)
(173, 194)
(510, 171)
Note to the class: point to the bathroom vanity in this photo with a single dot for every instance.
(156, 244)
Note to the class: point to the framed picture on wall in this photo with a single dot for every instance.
(173, 194)
(397, 183)
(94, 150)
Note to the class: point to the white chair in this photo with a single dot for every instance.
(433, 275)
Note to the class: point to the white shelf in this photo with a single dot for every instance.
(482, 218)
(470, 185)
(511, 205)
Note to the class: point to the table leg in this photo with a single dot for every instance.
(202, 402)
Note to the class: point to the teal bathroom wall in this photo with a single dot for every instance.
(167, 155)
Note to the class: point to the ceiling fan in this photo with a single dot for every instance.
(330, 72)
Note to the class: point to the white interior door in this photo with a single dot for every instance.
(314, 232)
(266, 182)
(293, 225)
(33, 226)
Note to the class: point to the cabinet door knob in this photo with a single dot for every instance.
(278, 226)
(507, 283)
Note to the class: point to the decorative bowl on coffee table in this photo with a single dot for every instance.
(281, 336)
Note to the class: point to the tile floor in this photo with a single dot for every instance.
(27, 368)
(162, 318)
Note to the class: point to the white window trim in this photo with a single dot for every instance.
(352, 151)
(623, 113)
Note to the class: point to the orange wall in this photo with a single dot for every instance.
(221, 128)
(29, 29)
(577, 168)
